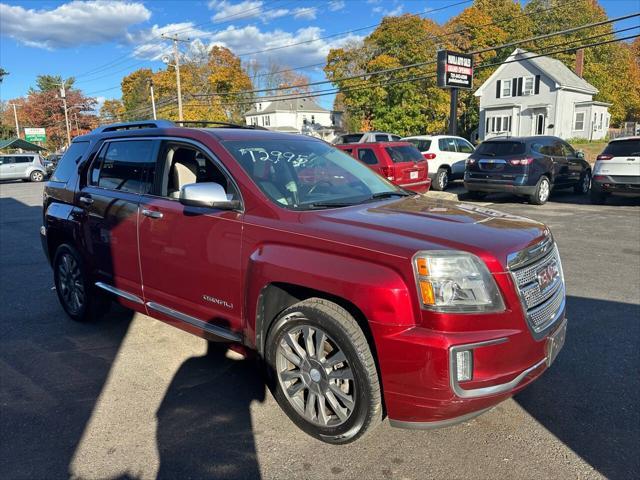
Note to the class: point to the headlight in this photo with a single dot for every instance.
(454, 281)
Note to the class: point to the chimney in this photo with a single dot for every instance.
(579, 62)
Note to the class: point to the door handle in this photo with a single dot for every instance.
(86, 199)
(151, 213)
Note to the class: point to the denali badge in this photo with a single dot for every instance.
(547, 275)
(217, 301)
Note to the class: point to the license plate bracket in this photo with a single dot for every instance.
(555, 342)
(413, 175)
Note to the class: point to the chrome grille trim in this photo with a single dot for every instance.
(541, 308)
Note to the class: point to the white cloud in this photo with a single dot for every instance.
(336, 5)
(389, 12)
(149, 46)
(305, 13)
(71, 24)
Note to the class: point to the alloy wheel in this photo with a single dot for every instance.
(37, 176)
(315, 376)
(586, 183)
(70, 283)
(544, 190)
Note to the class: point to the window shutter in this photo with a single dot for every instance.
(498, 88)
(520, 86)
(486, 128)
(537, 87)
(514, 82)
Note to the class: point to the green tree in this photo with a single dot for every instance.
(136, 96)
(47, 83)
(3, 73)
(111, 111)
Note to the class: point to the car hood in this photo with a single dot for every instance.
(402, 227)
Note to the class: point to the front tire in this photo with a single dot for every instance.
(75, 292)
(583, 186)
(542, 192)
(322, 371)
(36, 176)
(441, 180)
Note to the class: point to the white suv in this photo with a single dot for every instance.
(617, 169)
(446, 156)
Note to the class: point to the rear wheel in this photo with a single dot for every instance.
(542, 192)
(75, 292)
(36, 176)
(441, 180)
(323, 373)
(583, 186)
(597, 197)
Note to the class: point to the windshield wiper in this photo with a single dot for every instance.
(380, 195)
(329, 204)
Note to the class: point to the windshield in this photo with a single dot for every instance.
(623, 148)
(305, 174)
(500, 148)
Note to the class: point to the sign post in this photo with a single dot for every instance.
(35, 135)
(455, 70)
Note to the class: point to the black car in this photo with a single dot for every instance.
(526, 166)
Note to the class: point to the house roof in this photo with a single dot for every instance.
(19, 143)
(557, 71)
(287, 105)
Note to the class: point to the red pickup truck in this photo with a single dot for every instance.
(363, 299)
(399, 162)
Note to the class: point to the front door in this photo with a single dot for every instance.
(116, 177)
(541, 121)
(190, 256)
(6, 167)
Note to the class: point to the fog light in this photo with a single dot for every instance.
(464, 365)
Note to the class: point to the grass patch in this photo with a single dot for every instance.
(591, 149)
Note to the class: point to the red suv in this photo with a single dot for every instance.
(363, 299)
(399, 162)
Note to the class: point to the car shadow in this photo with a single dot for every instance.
(588, 399)
(558, 196)
(204, 422)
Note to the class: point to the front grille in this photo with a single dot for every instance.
(542, 307)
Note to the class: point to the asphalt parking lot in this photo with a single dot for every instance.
(130, 397)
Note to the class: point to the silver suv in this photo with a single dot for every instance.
(22, 166)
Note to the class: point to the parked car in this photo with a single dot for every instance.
(617, 170)
(399, 162)
(51, 162)
(365, 137)
(526, 166)
(22, 166)
(446, 156)
(363, 299)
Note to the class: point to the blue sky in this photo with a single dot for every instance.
(99, 42)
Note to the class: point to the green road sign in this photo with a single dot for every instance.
(35, 135)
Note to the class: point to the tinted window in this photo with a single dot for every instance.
(7, 160)
(422, 145)
(348, 150)
(567, 150)
(127, 166)
(395, 138)
(367, 156)
(382, 138)
(351, 138)
(23, 159)
(623, 148)
(447, 144)
(498, 149)
(463, 146)
(69, 161)
(301, 173)
(404, 154)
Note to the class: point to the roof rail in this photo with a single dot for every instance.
(185, 123)
(113, 127)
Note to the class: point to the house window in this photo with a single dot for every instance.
(259, 106)
(499, 124)
(528, 85)
(600, 123)
(606, 125)
(506, 88)
(578, 123)
(267, 121)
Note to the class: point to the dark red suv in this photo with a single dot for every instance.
(399, 162)
(363, 299)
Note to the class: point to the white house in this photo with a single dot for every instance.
(540, 96)
(299, 115)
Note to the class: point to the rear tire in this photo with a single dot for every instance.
(36, 176)
(597, 197)
(542, 193)
(322, 372)
(584, 184)
(441, 180)
(76, 293)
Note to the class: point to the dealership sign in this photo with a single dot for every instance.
(35, 135)
(455, 70)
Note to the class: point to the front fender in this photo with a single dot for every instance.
(377, 290)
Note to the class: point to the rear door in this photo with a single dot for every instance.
(562, 174)
(22, 163)
(409, 166)
(575, 165)
(368, 156)
(110, 196)
(621, 158)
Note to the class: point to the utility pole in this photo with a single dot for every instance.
(453, 112)
(63, 95)
(153, 100)
(176, 58)
(75, 116)
(15, 116)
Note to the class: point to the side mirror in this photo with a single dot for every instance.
(580, 154)
(207, 194)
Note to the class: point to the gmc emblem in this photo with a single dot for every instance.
(547, 275)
